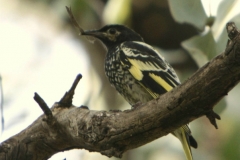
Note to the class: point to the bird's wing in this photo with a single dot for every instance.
(148, 67)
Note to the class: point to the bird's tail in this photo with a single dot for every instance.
(186, 140)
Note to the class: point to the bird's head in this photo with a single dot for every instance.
(112, 35)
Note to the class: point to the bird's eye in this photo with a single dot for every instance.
(112, 31)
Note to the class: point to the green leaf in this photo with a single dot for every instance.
(188, 11)
(201, 48)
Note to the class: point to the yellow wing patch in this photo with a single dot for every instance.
(148, 66)
(161, 81)
(136, 72)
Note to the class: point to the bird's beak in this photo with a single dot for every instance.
(94, 33)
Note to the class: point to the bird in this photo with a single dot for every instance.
(138, 71)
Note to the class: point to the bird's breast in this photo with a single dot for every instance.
(122, 79)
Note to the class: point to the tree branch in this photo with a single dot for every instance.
(114, 132)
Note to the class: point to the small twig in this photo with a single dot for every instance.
(232, 30)
(212, 116)
(43, 106)
(74, 20)
(67, 98)
(232, 33)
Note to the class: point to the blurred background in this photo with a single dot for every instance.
(41, 51)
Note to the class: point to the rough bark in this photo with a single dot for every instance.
(112, 133)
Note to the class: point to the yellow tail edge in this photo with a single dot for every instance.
(181, 135)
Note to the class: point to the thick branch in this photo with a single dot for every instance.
(114, 132)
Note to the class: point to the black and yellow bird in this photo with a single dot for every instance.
(138, 72)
